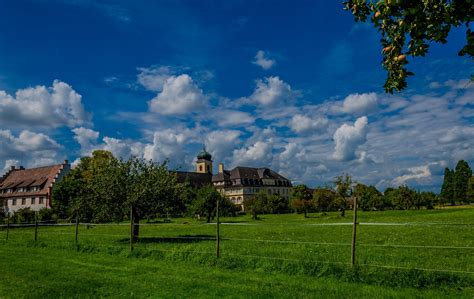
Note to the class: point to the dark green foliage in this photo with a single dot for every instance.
(343, 187)
(206, 201)
(410, 27)
(405, 198)
(46, 215)
(447, 189)
(462, 174)
(455, 186)
(23, 215)
(257, 204)
(324, 199)
(301, 197)
(368, 197)
(277, 204)
(470, 190)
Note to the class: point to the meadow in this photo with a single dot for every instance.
(399, 254)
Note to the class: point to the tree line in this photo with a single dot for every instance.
(102, 188)
(458, 184)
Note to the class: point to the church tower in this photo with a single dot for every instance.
(204, 162)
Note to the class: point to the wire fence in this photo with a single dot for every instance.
(81, 232)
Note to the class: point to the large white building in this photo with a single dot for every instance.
(239, 183)
(30, 188)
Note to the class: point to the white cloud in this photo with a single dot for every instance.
(232, 117)
(270, 91)
(457, 134)
(263, 61)
(348, 138)
(86, 138)
(222, 143)
(123, 148)
(167, 144)
(358, 104)
(258, 154)
(301, 123)
(28, 148)
(9, 163)
(414, 173)
(153, 78)
(180, 95)
(52, 107)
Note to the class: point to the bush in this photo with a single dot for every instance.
(47, 215)
(24, 215)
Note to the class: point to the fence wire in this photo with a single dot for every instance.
(82, 234)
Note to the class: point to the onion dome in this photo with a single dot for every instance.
(204, 155)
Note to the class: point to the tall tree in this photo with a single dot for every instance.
(205, 203)
(301, 197)
(343, 185)
(462, 174)
(324, 199)
(470, 190)
(257, 204)
(409, 27)
(447, 189)
(78, 191)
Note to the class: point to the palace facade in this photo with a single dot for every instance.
(239, 183)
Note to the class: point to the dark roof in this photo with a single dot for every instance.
(249, 173)
(196, 179)
(224, 176)
(42, 177)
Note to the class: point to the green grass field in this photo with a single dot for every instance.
(400, 254)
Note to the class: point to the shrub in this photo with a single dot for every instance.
(24, 215)
(47, 215)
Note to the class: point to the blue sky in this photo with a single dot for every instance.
(296, 86)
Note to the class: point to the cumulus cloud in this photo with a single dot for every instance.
(222, 143)
(301, 123)
(414, 173)
(53, 107)
(263, 61)
(258, 154)
(29, 148)
(358, 104)
(167, 144)
(270, 91)
(87, 138)
(348, 138)
(180, 95)
(123, 148)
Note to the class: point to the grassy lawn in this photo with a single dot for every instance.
(278, 255)
(51, 273)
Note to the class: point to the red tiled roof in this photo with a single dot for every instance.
(41, 177)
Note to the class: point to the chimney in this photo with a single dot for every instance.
(12, 167)
(22, 168)
(66, 162)
(221, 167)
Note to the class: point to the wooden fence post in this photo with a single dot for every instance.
(77, 229)
(217, 231)
(36, 226)
(131, 228)
(354, 232)
(8, 224)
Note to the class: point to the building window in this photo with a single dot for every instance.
(41, 200)
(14, 202)
(23, 201)
(200, 167)
(33, 200)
